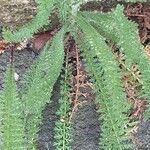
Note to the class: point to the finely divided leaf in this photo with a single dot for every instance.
(132, 48)
(11, 123)
(45, 7)
(106, 77)
(40, 80)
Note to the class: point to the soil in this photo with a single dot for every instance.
(86, 126)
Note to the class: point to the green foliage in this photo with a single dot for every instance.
(116, 27)
(64, 11)
(133, 50)
(45, 7)
(20, 119)
(105, 72)
(40, 80)
(104, 23)
(11, 123)
(63, 126)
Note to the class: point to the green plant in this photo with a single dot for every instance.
(11, 123)
(63, 125)
(90, 30)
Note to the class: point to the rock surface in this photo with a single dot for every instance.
(14, 13)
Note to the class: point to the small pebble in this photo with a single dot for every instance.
(16, 76)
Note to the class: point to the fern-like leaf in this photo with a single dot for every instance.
(11, 123)
(63, 126)
(110, 95)
(42, 18)
(130, 45)
(104, 23)
(116, 27)
(40, 80)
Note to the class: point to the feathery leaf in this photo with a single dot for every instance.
(11, 123)
(40, 80)
(130, 45)
(110, 95)
(42, 18)
(63, 126)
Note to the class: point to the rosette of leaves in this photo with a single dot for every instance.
(90, 30)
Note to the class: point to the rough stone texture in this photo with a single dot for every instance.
(14, 13)
(86, 133)
(22, 60)
(142, 137)
(46, 134)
